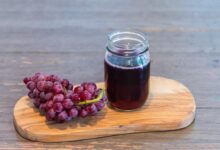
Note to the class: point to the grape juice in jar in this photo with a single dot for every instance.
(127, 70)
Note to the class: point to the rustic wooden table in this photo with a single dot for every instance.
(68, 38)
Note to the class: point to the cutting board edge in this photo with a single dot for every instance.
(48, 139)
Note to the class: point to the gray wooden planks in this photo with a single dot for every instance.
(68, 38)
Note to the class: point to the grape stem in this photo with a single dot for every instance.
(93, 100)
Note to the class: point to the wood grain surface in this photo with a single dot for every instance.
(170, 106)
(68, 38)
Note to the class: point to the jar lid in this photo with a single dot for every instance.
(127, 43)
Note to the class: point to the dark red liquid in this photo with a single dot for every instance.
(127, 88)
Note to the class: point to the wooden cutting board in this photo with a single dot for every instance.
(170, 106)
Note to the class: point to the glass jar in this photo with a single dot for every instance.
(127, 70)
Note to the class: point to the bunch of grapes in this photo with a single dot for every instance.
(60, 102)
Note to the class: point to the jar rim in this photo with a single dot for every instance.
(127, 43)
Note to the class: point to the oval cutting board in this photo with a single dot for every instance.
(170, 106)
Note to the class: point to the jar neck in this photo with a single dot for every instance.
(127, 43)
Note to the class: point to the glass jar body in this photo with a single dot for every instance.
(127, 78)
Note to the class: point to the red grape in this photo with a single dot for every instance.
(49, 104)
(85, 95)
(42, 96)
(55, 78)
(62, 117)
(37, 74)
(67, 103)
(49, 85)
(43, 107)
(83, 113)
(69, 94)
(90, 87)
(65, 83)
(73, 113)
(31, 95)
(78, 89)
(36, 92)
(83, 84)
(26, 80)
(100, 105)
(48, 96)
(96, 93)
(58, 107)
(34, 78)
(31, 85)
(40, 77)
(58, 98)
(70, 86)
(75, 98)
(51, 114)
(36, 102)
(91, 109)
(41, 85)
(57, 88)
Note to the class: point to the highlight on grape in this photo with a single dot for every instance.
(60, 101)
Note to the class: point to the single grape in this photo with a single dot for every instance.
(36, 92)
(41, 85)
(78, 89)
(40, 77)
(31, 95)
(69, 94)
(62, 117)
(49, 104)
(67, 103)
(100, 105)
(48, 96)
(57, 83)
(43, 107)
(55, 78)
(34, 78)
(70, 86)
(90, 87)
(58, 107)
(42, 96)
(48, 85)
(83, 84)
(58, 98)
(48, 78)
(26, 80)
(96, 93)
(31, 85)
(85, 95)
(51, 114)
(37, 74)
(73, 113)
(75, 98)
(36, 102)
(52, 78)
(65, 83)
(91, 109)
(57, 88)
(83, 113)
